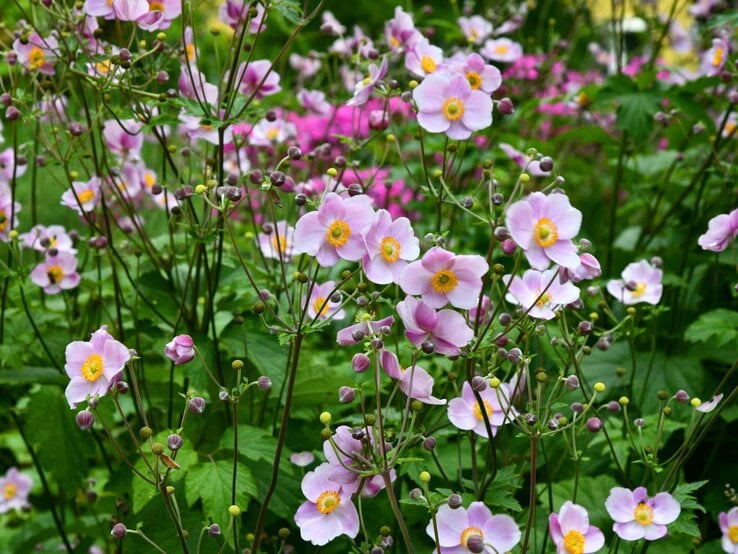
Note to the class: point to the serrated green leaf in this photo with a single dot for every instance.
(211, 483)
(719, 326)
(253, 443)
(501, 493)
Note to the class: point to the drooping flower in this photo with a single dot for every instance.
(334, 232)
(571, 532)
(14, 489)
(251, 75)
(37, 53)
(82, 197)
(415, 381)
(456, 528)
(181, 349)
(639, 282)
(544, 226)
(328, 511)
(56, 273)
(637, 516)
(475, 28)
(93, 365)
(589, 268)
(320, 304)
(423, 59)
(160, 15)
(710, 405)
(448, 104)
(729, 527)
(302, 459)
(466, 414)
(481, 76)
(442, 277)
(363, 89)
(446, 330)
(502, 50)
(389, 246)
(279, 244)
(721, 230)
(522, 160)
(540, 293)
(366, 327)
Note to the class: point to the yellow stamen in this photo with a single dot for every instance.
(190, 51)
(733, 533)
(279, 243)
(639, 290)
(3, 221)
(338, 233)
(453, 108)
(475, 80)
(574, 542)
(85, 196)
(92, 369)
(717, 57)
(394, 43)
(428, 64)
(103, 67)
(543, 299)
(328, 501)
(502, 49)
(390, 249)
(470, 532)
(36, 58)
(9, 491)
(149, 180)
(272, 133)
(156, 7)
(487, 408)
(444, 281)
(545, 232)
(643, 514)
(320, 306)
(55, 274)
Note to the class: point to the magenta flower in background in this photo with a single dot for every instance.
(448, 104)
(465, 413)
(502, 50)
(279, 244)
(540, 293)
(475, 28)
(124, 10)
(320, 305)
(571, 532)
(43, 238)
(389, 246)
(721, 230)
(637, 516)
(367, 326)
(423, 59)
(124, 138)
(481, 76)
(251, 75)
(729, 527)
(456, 528)
(181, 349)
(82, 197)
(442, 277)
(639, 282)
(93, 366)
(400, 32)
(544, 226)
(713, 61)
(532, 167)
(334, 232)
(56, 273)
(14, 489)
(363, 89)
(446, 330)
(415, 381)
(328, 511)
(160, 15)
(37, 54)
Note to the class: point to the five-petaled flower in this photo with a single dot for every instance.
(637, 516)
(476, 527)
(571, 531)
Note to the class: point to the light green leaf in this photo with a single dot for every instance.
(211, 483)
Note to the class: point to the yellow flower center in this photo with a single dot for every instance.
(453, 108)
(338, 233)
(732, 533)
(190, 51)
(729, 128)
(470, 532)
(9, 491)
(3, 220)
(272, 133)
(328, 501)
(543, 299)
(103, 68)
(149, 180)
(488, 409)
(394, 43)
(643, 514)
(428, 64)
(320, 306)
(156, 7)
(444, 281)
(545, 232)
(206, 126)
(55, 274)
(475, 80)
(574, 542)
(36, 58)
(92, 369)
(85, 196)
(717, 57)
(279, 243)
(390, 249)
(639, 290)
(583, 99)
(502, 49)
(52, 241)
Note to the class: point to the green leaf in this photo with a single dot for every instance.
(211, 483)
(61, 447)
(289, 9)
(31, 375)
(501, 493)
(719, 326)
(253, 443)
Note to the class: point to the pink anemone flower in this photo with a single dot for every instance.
(14, 489)
(729, 527)
(442, 277)
(481, 76)
(37, 54)
(363, 89)
(721, 230)
(637, 516)
(473, 529)
(540, 293)
(93, 366)
(279, 244)
(414, 381)
(502, 50)
(320, 304)
(56, 273)
(82, 197)
(389, 246)
(423, 59)
(446, 330)
(466, 414)
(475, 28)
(640, 282)
(571, 532)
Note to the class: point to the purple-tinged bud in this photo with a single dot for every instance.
(733, 97)
(196, 405)
(506, 106)
(300, 199)
(572, 382)
(357, 433)
(416, 493)
(594, 424)
(501, 233)
(429, 444)
(358, 335)
(475, 544)
(468, 202)
(264, 383)
(428, 347)
(698, 128)
(546, 163)
(5, 99)
(256, 177)
(75, 129)
(657, 261)
(501, 353)
(174, 442)
(406, 96)
(85, 419)
(355, 189)
(478, 383)
(553, 424)
(504, 318)
(223, 396)
(214, 530)
(576, 305)
(53, 252)
(11, 57)
(277, 178)
(125, 55)
(514, 355)
(156, 189)
(294, 153)
(385, 330)
(682, 396)
(386, 542)
(454, 501)
(162, 77)
(585, 327)
(119, 531)
(530, 418)
(12, 113)
(639, 422)
(501, 340)
(592, 291)
(336, 297)
(508, 247)
(346, 395)
(360, 362)
(585, 245)
(613, 406)
(122, 387)
(181, 349)
(577, 407)
(603, 344)
(377, 344)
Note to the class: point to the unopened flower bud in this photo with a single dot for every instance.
(429, 444)
(428, 347)
(174, 441)
(594, 424)
(416, 493)
(508, 247)
(85, 419)
(358, 335)
(12, 113)
(214, 530)
(223, 396)
(454, 501)
(639, 422)
(514, 355)
(264, 383)
(475, 544)
(572, 382)
(355, 189)
(506, 106)
(585, 327)
(122, 387)
(613, 407)
(577, 407)
(196, 405)
(546, 163)
(478, 383)
(501, 233)
(345, 395)
(119, 531)
(360, 362)
(682, 396)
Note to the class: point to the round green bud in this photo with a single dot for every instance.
(325, 418)
(425, 477)
(234, 511)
